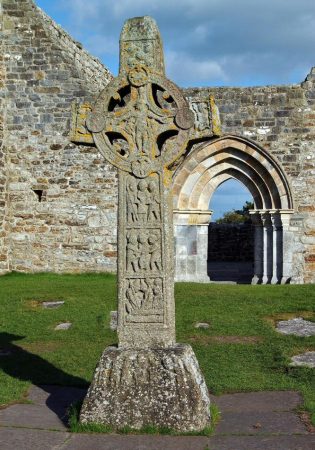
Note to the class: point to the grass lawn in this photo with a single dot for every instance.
(240, 351)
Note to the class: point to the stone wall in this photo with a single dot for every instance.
(3, 249)
(58, 200)
(230, 242)
(282, 120)
(60, 197)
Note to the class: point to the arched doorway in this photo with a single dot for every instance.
(194, 183)
(231, 234)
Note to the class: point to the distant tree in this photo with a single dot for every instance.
(237, 215)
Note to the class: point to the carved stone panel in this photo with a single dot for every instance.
(144, 300)
(143, 201)
(79, 132)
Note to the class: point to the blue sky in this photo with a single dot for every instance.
(206, 43)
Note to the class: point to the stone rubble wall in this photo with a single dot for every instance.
(72, 228)
(3, 248)
(69, 225)
(282, 120)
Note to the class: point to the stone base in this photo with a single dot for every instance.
(159, 387)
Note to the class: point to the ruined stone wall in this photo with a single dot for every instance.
(282, 120)
(3, 249)
(70, 223)
(60, 197)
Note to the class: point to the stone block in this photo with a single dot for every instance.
(159, 387)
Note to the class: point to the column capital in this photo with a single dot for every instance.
(255, 217)
(192, 217)
(275, 218)
(266, 218)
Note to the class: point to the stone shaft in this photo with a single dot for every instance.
(146, 315)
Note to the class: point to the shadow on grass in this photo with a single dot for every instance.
(23, 365)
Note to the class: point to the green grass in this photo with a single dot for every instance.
(254, 356)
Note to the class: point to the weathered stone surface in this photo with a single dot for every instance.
(42, 72)
(31, 439)
(281, 120)
(266, 401)
(305, 359)
(141, 124)
(53, 304)
(54, 187)
(63, 326)
(113, 320)
(161, 387)
(202, 325)
(297, 326)
(246, 423)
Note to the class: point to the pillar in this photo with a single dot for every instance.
(277, 247)
(191, 245)
(287, 241)
(267, 246)
(258, 247)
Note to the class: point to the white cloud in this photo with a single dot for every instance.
(186, 70)
(226, 41)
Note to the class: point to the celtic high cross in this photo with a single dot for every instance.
(141, 124)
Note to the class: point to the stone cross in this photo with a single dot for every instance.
(141, 124)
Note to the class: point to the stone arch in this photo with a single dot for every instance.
(194, 183)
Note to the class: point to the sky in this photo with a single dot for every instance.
(206, 43)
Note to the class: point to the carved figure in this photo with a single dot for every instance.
(134, 300)
(154, 202)
(146, 291)
(142, 201)
(157, 293)
(133, 253)
(149, 296)
(132, 215)
(155, 252)
(144, 295)
(144, 258)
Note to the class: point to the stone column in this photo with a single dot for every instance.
(267, 246)
(277, 247)
(258, 246)
(287, 245)
(191, 245)
(141, 124)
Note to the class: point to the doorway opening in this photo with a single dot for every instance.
(231, 234)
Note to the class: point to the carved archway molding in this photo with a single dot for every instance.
(195, 181)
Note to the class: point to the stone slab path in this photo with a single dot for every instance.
(304, 359)
(297, 326)
(250, 421)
